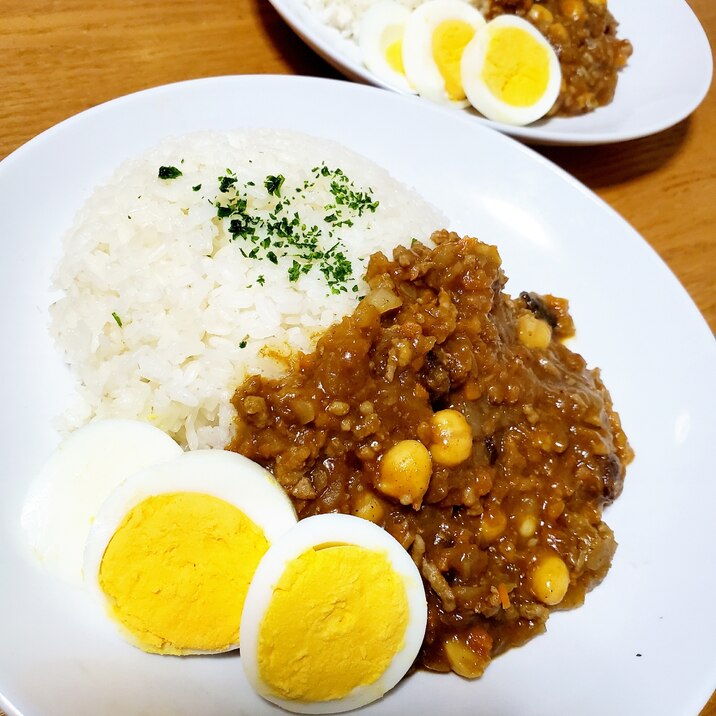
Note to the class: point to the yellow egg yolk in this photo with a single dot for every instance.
(449, 40)
(394, 56)
(337, 618)
(516, 68)
(177, 570)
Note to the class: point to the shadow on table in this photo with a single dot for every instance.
(302, 59)
(612, 164)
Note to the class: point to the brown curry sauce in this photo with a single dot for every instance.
(584, 36)
(548, 451)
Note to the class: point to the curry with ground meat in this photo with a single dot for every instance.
(584, 35)
(455, 417)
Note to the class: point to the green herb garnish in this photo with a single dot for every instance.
(169, 173)
(117, 319)
(273, 184)
(280, 234)
(295, 271)
(225, 183)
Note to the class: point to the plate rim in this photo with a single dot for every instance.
(292, 11)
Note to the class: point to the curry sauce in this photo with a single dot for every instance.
(507, 526)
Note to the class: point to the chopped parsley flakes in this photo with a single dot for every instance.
(225, 183)
(169, 172)
(117, 319)
(273, 184)
(281, 232)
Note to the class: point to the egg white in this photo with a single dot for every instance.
(67, 494)
(219, 473)
(420, 66)
(480, 95)
(382, 24)
(333, 529)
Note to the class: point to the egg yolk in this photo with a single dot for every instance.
(448, 43)
(516, 68)
(336, 619)
(394, 56)
(177, 570)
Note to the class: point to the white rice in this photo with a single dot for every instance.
(153, 255)
(345, 15)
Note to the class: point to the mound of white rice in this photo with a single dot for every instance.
(345, 15)
(174, 289)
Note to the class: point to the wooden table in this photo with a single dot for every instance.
(58, 58)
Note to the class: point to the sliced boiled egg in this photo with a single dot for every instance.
(174, 548)
(435, 36)
(64, 498)
(380, 38)
(510, 72)
(334, 617)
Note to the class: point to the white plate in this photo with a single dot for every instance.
(665, 80)
(633, 319)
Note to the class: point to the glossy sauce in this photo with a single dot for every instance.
(548, 451)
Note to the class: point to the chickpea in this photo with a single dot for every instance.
(452, 438)
(541, 16)
(550, 579)
(461, 659)
(533, 332)
(573, 8)
(368, 507)
(557, 33)
(469, 654)
(492, 525)
(405, 472)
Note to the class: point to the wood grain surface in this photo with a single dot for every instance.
(58, 58)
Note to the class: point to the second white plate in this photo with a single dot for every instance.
(665, 80)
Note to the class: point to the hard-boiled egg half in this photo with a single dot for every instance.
(67, 494)
(435, 36)
(334, 617)
(380, 38)
(174, 548)
(510, 72)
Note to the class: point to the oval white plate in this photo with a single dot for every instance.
(633, 319)
(666, 79)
